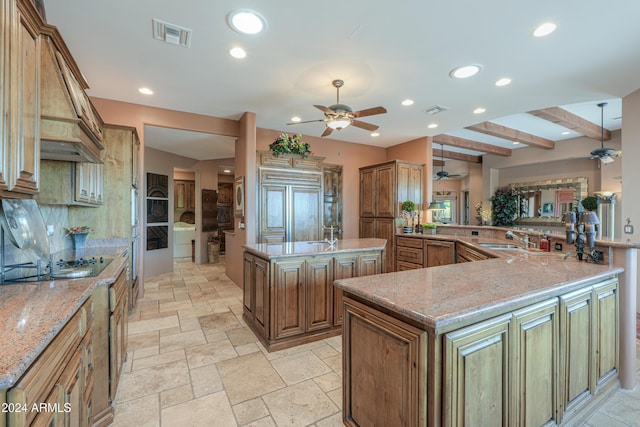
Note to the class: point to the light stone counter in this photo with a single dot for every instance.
(33, 313)
(293, 249)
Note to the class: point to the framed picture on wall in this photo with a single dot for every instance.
(238, 191)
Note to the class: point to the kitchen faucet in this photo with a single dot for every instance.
(513, 236)
(331, 240)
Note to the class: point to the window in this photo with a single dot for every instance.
(450, 202)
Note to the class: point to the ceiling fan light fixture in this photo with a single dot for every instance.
(338, 124)
(465, 71)
(246, 21)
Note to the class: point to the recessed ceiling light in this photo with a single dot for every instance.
(432, 125)
(516, 142)
(295, 119)
(227, 171)
(246, 21)
(407, 102)
(145, 91)
(374, 134)
(566, 132)
(544, 29)
(503, 81)
(479, 110)
(465, 71)
(238, 52)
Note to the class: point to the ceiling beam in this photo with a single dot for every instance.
(455, 141)
(438, 162)
(457, 156)
(570, 121)
(504, 132)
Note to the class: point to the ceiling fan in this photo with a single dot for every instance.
(603, 153)
(443, 174)
(339, 116)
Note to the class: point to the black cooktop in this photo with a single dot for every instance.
(67, 269)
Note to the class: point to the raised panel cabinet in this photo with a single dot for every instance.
(318, 293)
(288, 298)
(344, 267)
(438, 252)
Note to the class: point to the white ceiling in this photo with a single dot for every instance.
(384, 51)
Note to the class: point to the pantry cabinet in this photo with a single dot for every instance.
(383, 189)
(19, 100)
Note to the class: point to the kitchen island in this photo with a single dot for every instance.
(289, 297)
(524, 339)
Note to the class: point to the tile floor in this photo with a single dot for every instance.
(193, 362)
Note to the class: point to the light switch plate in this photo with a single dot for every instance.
(628, 229)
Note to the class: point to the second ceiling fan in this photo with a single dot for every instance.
(443, 174)
(339, 116)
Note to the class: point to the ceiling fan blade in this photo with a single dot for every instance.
(324, 109)
(363, 125)
(327, 131)
(369, 112)
(307, 121)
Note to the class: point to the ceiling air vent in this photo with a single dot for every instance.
(436, 109)
(170, 33)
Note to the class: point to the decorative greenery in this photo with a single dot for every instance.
(505, 206)
(408, 206)
(408, 211)
(430, 226)
(285, 144)
(590, 203)
(76, 230)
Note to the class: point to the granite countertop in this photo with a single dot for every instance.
(292, 249)
(450, 296)
(33, 313)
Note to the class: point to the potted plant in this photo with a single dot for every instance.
(286, 144)
(408, 211)
(590, 203)
(505, 206)
(430, 226)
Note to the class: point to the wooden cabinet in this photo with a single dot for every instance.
(465, 253)
(290, 206)
(291, 300)
(383, 189)
(184, 195)
(384, 368)
(135, 159)
(60, 376)
(420, 252)
(225, 212)
(332, 203)
(544, 364)
(439, 252)
(89, 183)
(19, 101)
(118, 321)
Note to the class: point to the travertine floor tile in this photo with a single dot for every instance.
(142, 412)
(241, 336)
(249, 411)
(219, 322)
(300, 367)
(176, 395)
(299, 405)
(329, 382)
(207, 354)
(153, 325)
(249, 376)
(143, 382)
(207, 411)
(206, 380)
(159, 359)
(182, 340)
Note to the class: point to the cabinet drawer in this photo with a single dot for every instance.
(402, 266)
(409, 242)
(412, 255)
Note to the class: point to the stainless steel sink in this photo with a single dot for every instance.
(499, 246)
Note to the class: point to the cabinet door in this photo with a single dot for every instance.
(576, 349)
(344, 267)
(476, 376)
(135, 158)
(438, 253)
(368, 192)
(72, 383)
(191, 195)
(273, 205)
(607, 331)
(318, 287)
(248, 284)
(24, 110)
(370, 264)
(261, 280)
(385, 189)
(305, 213)
(180, 196)
(415, 185)
(535, 365)
(288, 304)
(118, 343)
(367, 228)
(386, 229)
(384, 369)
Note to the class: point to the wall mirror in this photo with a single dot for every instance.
(543, 202)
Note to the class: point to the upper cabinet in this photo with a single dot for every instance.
(385, 186)
(19, 100)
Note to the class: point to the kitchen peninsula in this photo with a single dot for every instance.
(522, 339)
(289, 297)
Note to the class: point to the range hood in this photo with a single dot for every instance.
(70, 127)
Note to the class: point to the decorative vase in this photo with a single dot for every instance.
(213, 250)
(78, 240)
(408, 229)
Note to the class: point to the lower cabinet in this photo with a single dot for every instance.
(420, 252)
(439, 252)
(466, 253)
(547, 364)
(381, 228)
(292, 300)
(118, 321)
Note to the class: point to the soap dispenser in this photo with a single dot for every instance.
(545, 244)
